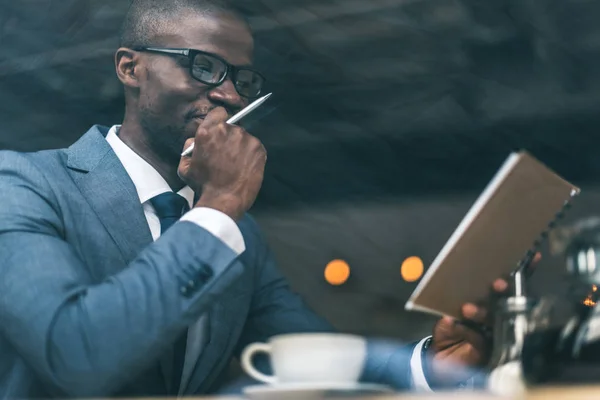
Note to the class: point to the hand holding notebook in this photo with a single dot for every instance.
(504, 226)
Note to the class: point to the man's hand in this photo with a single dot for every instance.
(226, 166)
(456, 345)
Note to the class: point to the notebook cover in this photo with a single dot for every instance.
(515, 208)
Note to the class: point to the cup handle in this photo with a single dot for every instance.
(247, 355)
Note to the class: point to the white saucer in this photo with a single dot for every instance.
(289, 391)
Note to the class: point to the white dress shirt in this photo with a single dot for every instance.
(149, 183)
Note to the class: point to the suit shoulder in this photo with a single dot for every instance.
(10, 159)
(14, 161)
(33, 170)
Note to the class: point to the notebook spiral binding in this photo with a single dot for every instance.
(523, 264)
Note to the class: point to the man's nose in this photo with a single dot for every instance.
(225, 95)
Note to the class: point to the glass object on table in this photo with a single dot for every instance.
(514, 318)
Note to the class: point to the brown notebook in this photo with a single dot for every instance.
(505, 225)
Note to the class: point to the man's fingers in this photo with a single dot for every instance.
(472, 312)
(216, 116)
(184, 163)
(474, 337)
(500, 285)
(464, 332)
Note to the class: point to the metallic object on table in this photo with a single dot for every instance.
(568, 351)
(583, 257)
(583, 269)
(511, 323)
(511, 326)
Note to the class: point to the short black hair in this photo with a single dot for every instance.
(146, 19)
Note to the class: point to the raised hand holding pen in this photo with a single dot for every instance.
(226, 167)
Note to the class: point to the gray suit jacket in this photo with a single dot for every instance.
(89, 304)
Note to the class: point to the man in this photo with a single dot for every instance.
(102, 293)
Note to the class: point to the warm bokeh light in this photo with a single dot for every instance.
(337, 272)
(590, 301)
(412, 269)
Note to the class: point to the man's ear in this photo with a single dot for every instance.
(128, 67)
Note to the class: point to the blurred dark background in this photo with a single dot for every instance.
(387, 120)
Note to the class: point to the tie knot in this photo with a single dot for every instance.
(169, 205)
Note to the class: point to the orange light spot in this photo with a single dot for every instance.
(588, 302)
(412, 269)
(337, 272)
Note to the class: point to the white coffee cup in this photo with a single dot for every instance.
(309, 358)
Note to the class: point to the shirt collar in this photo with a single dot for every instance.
(148, 182)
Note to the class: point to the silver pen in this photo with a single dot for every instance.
(247, 110)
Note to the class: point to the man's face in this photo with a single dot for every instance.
(172, 104)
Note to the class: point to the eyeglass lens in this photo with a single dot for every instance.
(210, 70)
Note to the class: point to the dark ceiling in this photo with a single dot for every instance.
(372, 99)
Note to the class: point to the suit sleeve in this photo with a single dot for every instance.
(83, 338)
(276, 309)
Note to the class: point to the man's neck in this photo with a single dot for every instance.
(131, 135)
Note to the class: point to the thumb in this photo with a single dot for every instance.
(185, 161)
(186, 146)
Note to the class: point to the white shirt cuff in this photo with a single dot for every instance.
(416, 368)
(219, 224)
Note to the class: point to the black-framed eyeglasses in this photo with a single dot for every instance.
(212, 70)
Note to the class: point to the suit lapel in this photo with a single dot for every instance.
(104, 183)
(108, 189)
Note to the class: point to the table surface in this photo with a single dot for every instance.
(547, 393)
